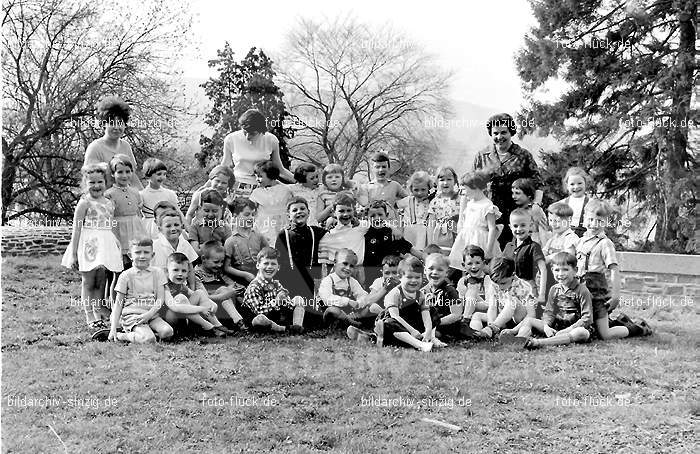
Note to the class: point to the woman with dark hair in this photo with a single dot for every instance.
(505, 162)
(113, 115)
(252, 144)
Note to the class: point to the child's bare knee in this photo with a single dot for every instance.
(166, 332)
(260, 320)
(144, 337)
(181, 299)
(579, 335)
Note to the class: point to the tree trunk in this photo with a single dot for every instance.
(668, 231)
(9, 171)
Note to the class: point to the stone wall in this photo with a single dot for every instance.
(660, 274)
(34, 241)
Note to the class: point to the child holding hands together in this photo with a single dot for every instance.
(140, 294)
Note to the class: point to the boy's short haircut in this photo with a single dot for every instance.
(502, 268)
(240, 203)
(438, 257)
(221, 170)
(410, 264)
(527, 186)
(297, 199)
(142, 241)
(380, 156)
(561, 209)
(475, 180)
(162, 205)
(432, 249)
(178, 258)
(166, 214)
(378, 204)
(345, 252)
(267, 253)
(120, 159)
(212, 196)
(212, 247)
(520, 212)
(474, 251)
(391, 260)
(598, 207)
(153, 165)
(302, 170)
(563, 258)
(270, 170)
(344, 199)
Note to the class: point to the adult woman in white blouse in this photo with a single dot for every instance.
(248, 146)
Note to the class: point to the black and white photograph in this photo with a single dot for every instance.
(305, 227)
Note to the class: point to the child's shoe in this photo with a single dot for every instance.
(530, 344)
(646, 329)
(101, 335)
(241, 327)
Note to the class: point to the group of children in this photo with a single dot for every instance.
(417, 266)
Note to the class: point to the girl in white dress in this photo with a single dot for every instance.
(444, 210)
(94, 249)
(477, 220)
(271, 197)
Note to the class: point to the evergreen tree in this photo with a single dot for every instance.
(629, 70)
(240, 86)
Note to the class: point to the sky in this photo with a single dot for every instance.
(477, 40)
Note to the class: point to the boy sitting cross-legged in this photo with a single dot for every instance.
(182, 302)
(407, 311)
(508, 298)
(344, 297)
(568, 315)
(268, 301)
(384, 283)
(476, 290)
(245, 242)
(220, 288)
(440, 294)
(140, 294)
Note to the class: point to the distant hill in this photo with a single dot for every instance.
(464, 133)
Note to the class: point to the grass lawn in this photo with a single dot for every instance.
(305, 394)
